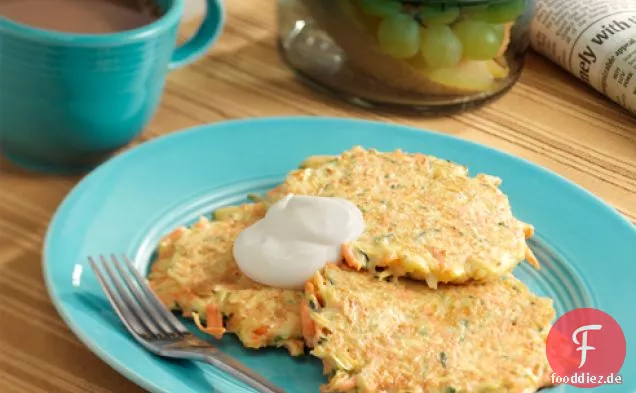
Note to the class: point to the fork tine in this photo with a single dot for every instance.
(175, 324)
(129, 320)
(141, 297)
(127, 299)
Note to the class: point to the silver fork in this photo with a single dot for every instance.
(156, 328)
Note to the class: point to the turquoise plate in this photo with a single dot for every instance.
(588, 250)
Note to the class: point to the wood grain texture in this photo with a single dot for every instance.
(548, 118)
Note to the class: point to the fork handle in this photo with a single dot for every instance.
(240, 372)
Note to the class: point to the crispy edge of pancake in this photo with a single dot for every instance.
(414, 267)
(233, 305)
(338, 313)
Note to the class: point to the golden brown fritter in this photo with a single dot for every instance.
(426, 218)
(401, 336)
(196, 273)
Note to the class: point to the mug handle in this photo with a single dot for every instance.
(203, 39)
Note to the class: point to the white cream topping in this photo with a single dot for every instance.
(297, 237)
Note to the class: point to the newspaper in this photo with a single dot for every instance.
(595, 40)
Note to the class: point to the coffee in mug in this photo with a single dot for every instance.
(80, 16)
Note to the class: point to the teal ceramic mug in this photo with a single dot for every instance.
(67, 100)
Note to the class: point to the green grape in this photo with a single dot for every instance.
(439, 15)
(399, 36)
(500, 29)
(481, 41)
(504, 12)
(476, 12)
(440, 47)
(380, 7)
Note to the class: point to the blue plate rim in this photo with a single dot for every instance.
(121, 368)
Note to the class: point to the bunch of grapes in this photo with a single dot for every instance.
(442, 34)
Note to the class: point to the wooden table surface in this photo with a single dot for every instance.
(548, 118)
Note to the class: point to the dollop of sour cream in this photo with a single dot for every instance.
(297, 237)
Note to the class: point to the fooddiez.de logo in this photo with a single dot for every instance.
(586, 348)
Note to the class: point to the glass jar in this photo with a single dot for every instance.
(434, 56)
